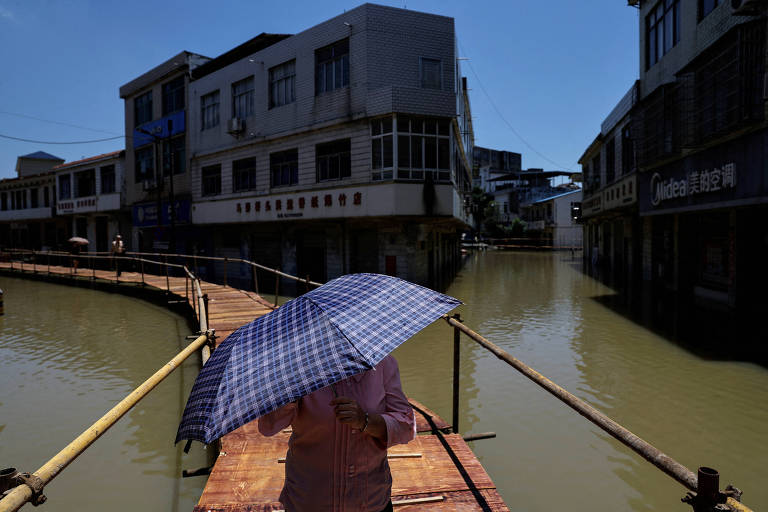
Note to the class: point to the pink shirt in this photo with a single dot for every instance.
(330, 466)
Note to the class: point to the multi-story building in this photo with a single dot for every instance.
(492, 163)
(552, 219)
(698, 130)
(343, 148)
(27, 204)
(89, 198)
(157, 184)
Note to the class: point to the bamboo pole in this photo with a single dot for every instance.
(17, 497)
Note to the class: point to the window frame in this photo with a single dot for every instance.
(286, 81)
(173, 95)
(178, 151)
(108, 174)
(335, 57)
(382, 130)
(86, 176)
(246, 95)
(340, 151)
(420, 137)
(209, 112)
(144, 173)
(142, 109)
(279, 163)
(248, 171)
(422, 74)
(208, 174)
(662, 22)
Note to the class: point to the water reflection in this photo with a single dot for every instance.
(542, 309)
(69, 355)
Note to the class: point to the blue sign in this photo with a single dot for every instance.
(145, 214)
(159, 128)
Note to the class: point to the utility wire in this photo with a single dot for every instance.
(51, 142)
(55, 122)
(493, 104)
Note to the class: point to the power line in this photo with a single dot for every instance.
(51, 142)
(55, 122)
(509, 125)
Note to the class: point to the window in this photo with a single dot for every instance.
(211, 180)
(65, 190)
(145, 164)
(174, 155)
(627, 151)
(332, 67)
(431, 73)
(85, 183)
(107, 179)
(209, 110)
(610, 160)
(173, 95)
(46, 198)
(33, 200)
(282, 84)
(284, 167)
(381, 149)
(3, 201)
(242, 98)
(596, 178)
(662, 30)
(142, 109)
(244, 174)
(706, 7)
(332, 160)
(423, 146)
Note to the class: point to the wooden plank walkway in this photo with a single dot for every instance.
(248, 473)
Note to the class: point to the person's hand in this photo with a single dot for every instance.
(348, 411)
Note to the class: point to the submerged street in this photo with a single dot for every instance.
(71, 353)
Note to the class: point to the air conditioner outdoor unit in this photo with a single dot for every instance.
(235, 125)
(148, 184)
(747, 7)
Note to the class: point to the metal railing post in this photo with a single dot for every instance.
(456, 373)
(225, 270)
(186, 287)
(142, 271)
(205, 305)
(167, 279)
(93, 270)
(34, 263)
(277, 287)
(255, 280)
(49, 262)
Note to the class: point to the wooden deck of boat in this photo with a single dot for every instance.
(437, 471)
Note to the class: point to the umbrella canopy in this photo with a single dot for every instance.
(77, 240)
(340, 329)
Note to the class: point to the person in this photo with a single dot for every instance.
(337, 452)
(118, 248)
(74, 250)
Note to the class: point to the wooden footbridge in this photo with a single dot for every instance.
(437, 471)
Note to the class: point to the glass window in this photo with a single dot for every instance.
(65, 190)
(332, 160)
(282, 84)
(145, 164)
(85, 183)
(107, 179)
(423, 146)
(382, 157)
(173, 95)
(244, 174)
(3, 201)
(46, 198)
(431, 73)
(662, 30)
(209, 110)
(706, 7)
(142, 108)
(284, 168)
(242, 98)
(211, 180)
(174, 154)
(332, 67)
(33, 200)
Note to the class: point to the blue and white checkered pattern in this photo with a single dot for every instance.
(342, 328)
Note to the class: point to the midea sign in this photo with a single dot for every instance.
(696, 182)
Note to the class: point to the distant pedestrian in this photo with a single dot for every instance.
(118, 249)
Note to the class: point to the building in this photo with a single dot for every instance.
(492, 163)
(27, 205)
(552, 219)
(157, 183)
(512, 189)
(697, 127)
(343, 148)
(89, 198)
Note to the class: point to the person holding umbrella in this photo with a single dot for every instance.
(337, 453)
(321, 363)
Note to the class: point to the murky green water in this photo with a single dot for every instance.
(67, 356)
(542, 310)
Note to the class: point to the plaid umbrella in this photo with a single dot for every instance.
(340, 329)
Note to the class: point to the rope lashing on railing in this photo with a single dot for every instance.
(20, 495)
(649, 452)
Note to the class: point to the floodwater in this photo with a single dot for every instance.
(541, 309)
(67, 356)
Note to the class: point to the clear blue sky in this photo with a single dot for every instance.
(553, 69)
